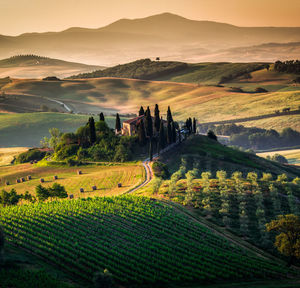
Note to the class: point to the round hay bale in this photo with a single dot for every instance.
(29, 177)
(42, 180)
(79, 172)
(55, 177)
(81, 190)
(35, 161)
(119, 185)
(22, 179)
(18, 181)
(71, 196)
(94, 188)
(31, 162)
(7, 183)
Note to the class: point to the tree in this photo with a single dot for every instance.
(174, 136)
(212, 135)
(288, 240)
(42, 193)
(156, 118)
(194, 126)
(101, 116)
(148, 123)
(169, 132)
(57, 191)
(150, 150)
(141, 112)
(9, 198)
(92, 130)
(118, 123)
(141, 133)
(169, 115)
(55, 137)
(161, 137)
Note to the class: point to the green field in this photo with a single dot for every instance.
(137, 239)
(27, 129)
(105, 177)
(293, 155)
(198, 97)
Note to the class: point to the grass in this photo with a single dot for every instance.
(27, 129)
(209, 155)
(7, 155)
(293, 156)
(140, 241)
(104, 177)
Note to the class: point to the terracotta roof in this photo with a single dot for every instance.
(133, 120)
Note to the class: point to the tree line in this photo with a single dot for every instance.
(290, 66)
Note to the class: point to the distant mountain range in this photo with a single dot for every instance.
(33, 66)
(168, 36)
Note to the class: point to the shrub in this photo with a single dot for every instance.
(279, 158)
(160, 170)
(30, 155)
(260, 90)
(66, 151)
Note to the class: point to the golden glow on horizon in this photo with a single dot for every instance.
(20, 16)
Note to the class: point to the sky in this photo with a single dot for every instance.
(20, 16)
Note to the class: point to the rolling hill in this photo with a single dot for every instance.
(166, 35)
(33, 66)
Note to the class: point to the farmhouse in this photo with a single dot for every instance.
(130, 126)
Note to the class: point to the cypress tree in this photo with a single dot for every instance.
(150, 150)
(101, 115)
(92, 130)
(156, 119)
(141, 133)
(141, 112)
(179, 136)
(169, 115)
(191, 125)
(148, 123)
(194, 126)
(173, 132)
(161, 137)
(169, 133)
(118, 123)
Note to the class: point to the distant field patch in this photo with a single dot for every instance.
(104, 177)
(7, 155)
(293, 156)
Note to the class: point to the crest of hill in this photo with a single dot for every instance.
(214, 156)
(140, 69)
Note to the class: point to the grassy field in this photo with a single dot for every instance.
(7, 155)
(140, 241)
(27, 129)
(293, 156)
(209, 155)
(104, 177)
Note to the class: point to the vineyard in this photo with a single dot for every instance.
(104, 177)
(139, 240)
(241, 204)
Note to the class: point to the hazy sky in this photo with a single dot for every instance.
(19, 16)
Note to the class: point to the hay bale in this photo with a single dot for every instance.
(71, 196)
(42, 180)
(22, 179)
(55, 177)
(7, 183)
(94, 188)
(18, 181)
(79, 172)
(81, 190)
(119, 185)
(35, 161)
(31, 162)
(29, 177)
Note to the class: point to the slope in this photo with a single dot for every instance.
(33, 66)
(140, 241)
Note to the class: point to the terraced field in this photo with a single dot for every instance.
(137, 239)
(105, 178)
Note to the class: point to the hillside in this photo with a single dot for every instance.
(140, 241)
(199, 96)
(166, 35)
(33, 66)
(209, 155)
(29, 128)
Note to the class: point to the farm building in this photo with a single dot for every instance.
(130, 126)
